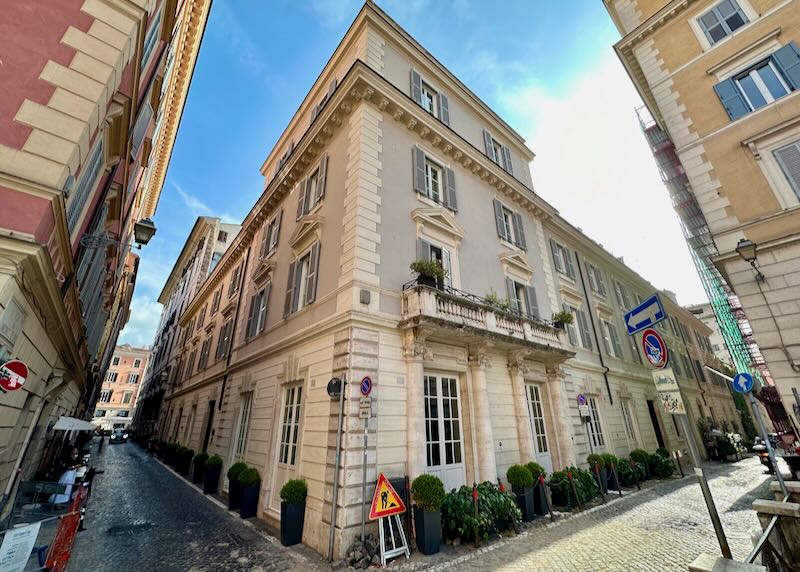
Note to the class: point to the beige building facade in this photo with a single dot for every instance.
(120, 389)
(388, 160)
(722, 79)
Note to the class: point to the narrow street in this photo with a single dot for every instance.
(143, 517)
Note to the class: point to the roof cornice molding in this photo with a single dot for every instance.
(201, 225)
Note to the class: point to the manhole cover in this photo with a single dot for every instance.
(130, 529)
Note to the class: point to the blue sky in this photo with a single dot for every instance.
(546, 67)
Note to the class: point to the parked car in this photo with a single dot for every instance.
(118, 436)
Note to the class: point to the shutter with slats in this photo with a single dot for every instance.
(423, 249)
(568, 261)
(416, 87)
(487, 144)
(250, 314)
(444, 109)
(570, 328)
(586, 336)
(601, 282)
(787, 59)
(612, 329)
(322, 178)
(451, 201)
(732, 99)
(520, 232)
(267, 290)
(603, 338)
(301, 199)
(418, 156)
(512, 294)
(498, 219)
(277, 228)
(789, 160)
(287, 303)
(507, 160)
(313, 273)
(531, 302)
(554, 252)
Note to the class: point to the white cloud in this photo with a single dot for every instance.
(199, 208)
(141, 326)
(594, 165)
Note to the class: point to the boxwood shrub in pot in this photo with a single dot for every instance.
(539, 488)
(428, 494)
(660, 467)
(211, 475)
(610, 463)
(250, 482)
(429, 272)
(641, 456)
(199, 466)
(598, 469)
(522, 481)
(293, 511)
(184, 460)
(234, 489)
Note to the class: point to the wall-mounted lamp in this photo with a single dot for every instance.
(748, 250)
(143, 231)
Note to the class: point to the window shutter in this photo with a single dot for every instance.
(450, 181)
(603, 330)
(266, 306)
(530, 302)
(287, 303)
(601, 282)
(262, 252)
(787, 59)
(512, 295)
(498, 219)
(586, 336)
(789, 159)
(520, 232)
(423, 249)
(731, 99)
(507, 160)
(554, 251)
(314, 112)
(332, 88)
(676, 365)
(322, 178)
(416, 87)
(249, 329)
(568, 261)
(615, 340)
(301, 198)
(487, 144)
(419, 170)
(313, 273)
(277, 228)
(570, 327)
(448, 276)
(444, 109)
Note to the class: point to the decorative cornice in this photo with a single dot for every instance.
(440, 218)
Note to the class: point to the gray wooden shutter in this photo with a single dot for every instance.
(615, 340)
(287, 303)
(520, 232)
(313, 273)
(498, 219)
(512, 294)
(568, 261)
(787, 59)
(267, 290)
(586, 335)
(444, 109)
(601, 282)
(249, 329)
(322, 178)
(423, 249)
(603, 338)
(278, 226)
(789, 159)
(507, 160)
(570, 331)
(264, 248)
(731, 99)
(530, 302)
(416, 87)
(450, 184)
(487, 144)
(301, 196)
(554, 252)
(419, 170)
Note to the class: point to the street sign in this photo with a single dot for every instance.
(655, 348)
(364, 407)
(669, 394)
(366, 386)
(13, 374)
(583, 406)
(644, 315)
(386, 501)
(334, 387)
(581, 399)
(743, 382)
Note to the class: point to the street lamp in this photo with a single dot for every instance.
(748, 250)
(143, 231)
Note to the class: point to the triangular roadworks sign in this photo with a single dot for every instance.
(386, 501)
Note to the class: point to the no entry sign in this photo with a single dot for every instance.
(13, 374)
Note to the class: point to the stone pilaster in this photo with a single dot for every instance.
(415, 351)
(517, 369)
(562, 416)
(487, 465)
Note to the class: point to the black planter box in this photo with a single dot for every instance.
(600, 479)
(611, 480)
(249, 500)
(211, 480)
(292, 518)
(428, 526)
(427, 281)
(539, 500)
(525, 502)
(197, 473)
(234, 494)
(183, 466)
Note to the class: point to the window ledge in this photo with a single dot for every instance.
(757, 49)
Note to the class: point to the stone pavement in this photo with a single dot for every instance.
(141, 516)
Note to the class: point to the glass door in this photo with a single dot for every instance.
(288, 453)
(541, 444)
(443, 439)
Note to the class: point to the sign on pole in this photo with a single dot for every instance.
(13, 374)
(655, 349)
(17, 545)
(743, 383)
(669, 394)
(366, 386)
(583, 406)
(646, 314)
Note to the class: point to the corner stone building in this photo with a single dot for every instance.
(389, 159)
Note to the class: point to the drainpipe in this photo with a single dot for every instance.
(594, 328)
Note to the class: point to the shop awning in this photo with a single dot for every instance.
(65, 423)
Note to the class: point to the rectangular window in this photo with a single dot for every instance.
(90, 172)
(572, 331)
(497, 152)
(243, 425)
(290, 427)
(190, 363)
(429, 99)
(522, 298)
(235, 276)
(100, 413)
(595, 430)
(115, 360)
(222, 236)
(562, 259)
(269, 240)
(622, 296)
(761, 85)
(133, 378)
(257, 318)
(137, 363)
(111, 377)
(722, 20)
(442, 421)
(215, 301)
(126, 397)
(151, 38)
(223, 343)
(433, 181)
(312, 189)
(301, 289)
(627, 418)
(215, 258)
(204, 351)
(788, 158)
(596, 280)
(105, 396)
(187, 431)
(611, 339)
(536, 411)
(509, 225)
(201, 316)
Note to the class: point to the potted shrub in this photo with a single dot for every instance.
(429, 273)
(211, 475)
(539, 492)
(501, 507)
(199, 466)
(428, 494)
(562, 318)
(660, 467)
(184, 460)
(250, 483)
(641, 456)
(598, 469)
(234, 490)
(293, 511)
(610, 462)
(563, 495)
(521, 481)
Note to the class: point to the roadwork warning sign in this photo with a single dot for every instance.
(386, 501)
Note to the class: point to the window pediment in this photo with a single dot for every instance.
(263, 271)
(229, 307)
(308, 231)
(514, 263)
(438, 222)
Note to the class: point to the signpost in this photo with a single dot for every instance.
(646, 314)
(13, 374)
(583, 411)
(386, 504)
(669, 394)
(364, 412)
(655, 348)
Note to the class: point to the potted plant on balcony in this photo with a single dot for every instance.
(561, 319)
(211, 475)
(250, 482)
(539, 493)
(234, 490)
(428, 494)
(522, 481)
(293, 511)
(494, 300)
(199, 466)
(429, 273)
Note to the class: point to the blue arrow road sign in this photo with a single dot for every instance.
(743, 382)
(645, 315)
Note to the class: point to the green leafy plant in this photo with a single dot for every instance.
(500, 506)
(536, 470)
(626, 473)
(428, 492)
(519, 476)
(595, 460)
(235, 470)
(664, 452)
(213, 462)
(249, 477)
(492, 298)
(640, 456)
(561, 488)
(459, 519)
(200, 459)
(429, 269)
(294, 491)
(562, 317)
(661, 467)
(725, 447)
(609, 460)
(185, 457)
